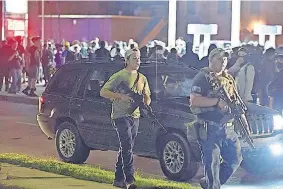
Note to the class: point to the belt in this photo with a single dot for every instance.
(229, 124)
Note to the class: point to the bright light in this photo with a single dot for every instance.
(276, 149)
(256, 26)
(278, 122)
(16, 24)
(17, 6)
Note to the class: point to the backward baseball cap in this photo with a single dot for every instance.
(129, 52)
(217, 52)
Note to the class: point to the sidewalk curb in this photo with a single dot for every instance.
(19, 99)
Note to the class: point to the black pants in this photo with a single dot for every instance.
(127, 129)
(225, 143)
(46, 72)
(4, 73)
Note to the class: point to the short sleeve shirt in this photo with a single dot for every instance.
(200, 84)
(119, 108)
(202, 87)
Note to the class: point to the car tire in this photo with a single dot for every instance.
(180, 151)
(69, 144)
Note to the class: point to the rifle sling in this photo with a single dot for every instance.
(136, 81)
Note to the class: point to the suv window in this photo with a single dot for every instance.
(168, 85)
(90, 87)
(65, 81)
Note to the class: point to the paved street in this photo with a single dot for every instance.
(19, 133)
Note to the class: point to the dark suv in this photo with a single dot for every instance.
(72, 112)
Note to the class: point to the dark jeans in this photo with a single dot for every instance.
(220, 142)
(16, 80)
(127, 129)
(46, 72)
(4, 73)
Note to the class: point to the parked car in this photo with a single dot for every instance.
(72, 112)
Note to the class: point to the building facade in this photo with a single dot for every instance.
(219, 12)
(196, 12)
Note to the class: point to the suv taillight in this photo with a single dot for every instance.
(41, 104)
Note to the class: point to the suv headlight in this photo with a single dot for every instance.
(278, 122)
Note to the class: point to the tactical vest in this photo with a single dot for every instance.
(225, 80)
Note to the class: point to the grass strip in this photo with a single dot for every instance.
(84, 172)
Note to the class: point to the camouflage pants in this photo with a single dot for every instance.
(222, 142)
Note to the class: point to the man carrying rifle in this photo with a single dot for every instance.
(216, 135)
(126, 121)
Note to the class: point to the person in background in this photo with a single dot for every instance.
(190, 58)
(118, 56)
(77, 55)
(27, 59)
(14, 59)
(102, 54)
(267, 74)
(46, 58)
(204, 61)
(244, 73)
(157, 53)
(4, 67)
(21, 51)
(234, 57)
(172, 56)
(33, 66)
(58, 56)
(275, 87)
(68, 55)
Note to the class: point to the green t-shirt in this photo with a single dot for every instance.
(119, 107)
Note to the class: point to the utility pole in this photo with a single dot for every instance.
(172, 23)
(236, 23)
(42, 20)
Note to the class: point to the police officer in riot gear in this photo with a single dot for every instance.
(215, 138)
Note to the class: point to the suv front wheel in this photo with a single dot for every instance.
(69, 144)
(175, 158)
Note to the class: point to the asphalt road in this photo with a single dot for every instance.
(19, 133)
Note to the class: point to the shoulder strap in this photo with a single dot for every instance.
(136, 81)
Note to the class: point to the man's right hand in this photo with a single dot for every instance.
(126, 98)
(223, 106)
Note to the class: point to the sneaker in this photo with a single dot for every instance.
(203, 183)
(132, 186)
(119, 184)
(26, 91)
(32, 94)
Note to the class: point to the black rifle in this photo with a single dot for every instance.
(138, 101)
(237, 109)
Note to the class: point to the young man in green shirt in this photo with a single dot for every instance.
(126, 124)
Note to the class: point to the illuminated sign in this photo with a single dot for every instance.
(268, 30)
(15, 24)
(202, 29)
(16, 6)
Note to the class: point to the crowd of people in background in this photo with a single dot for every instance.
(253, 67)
